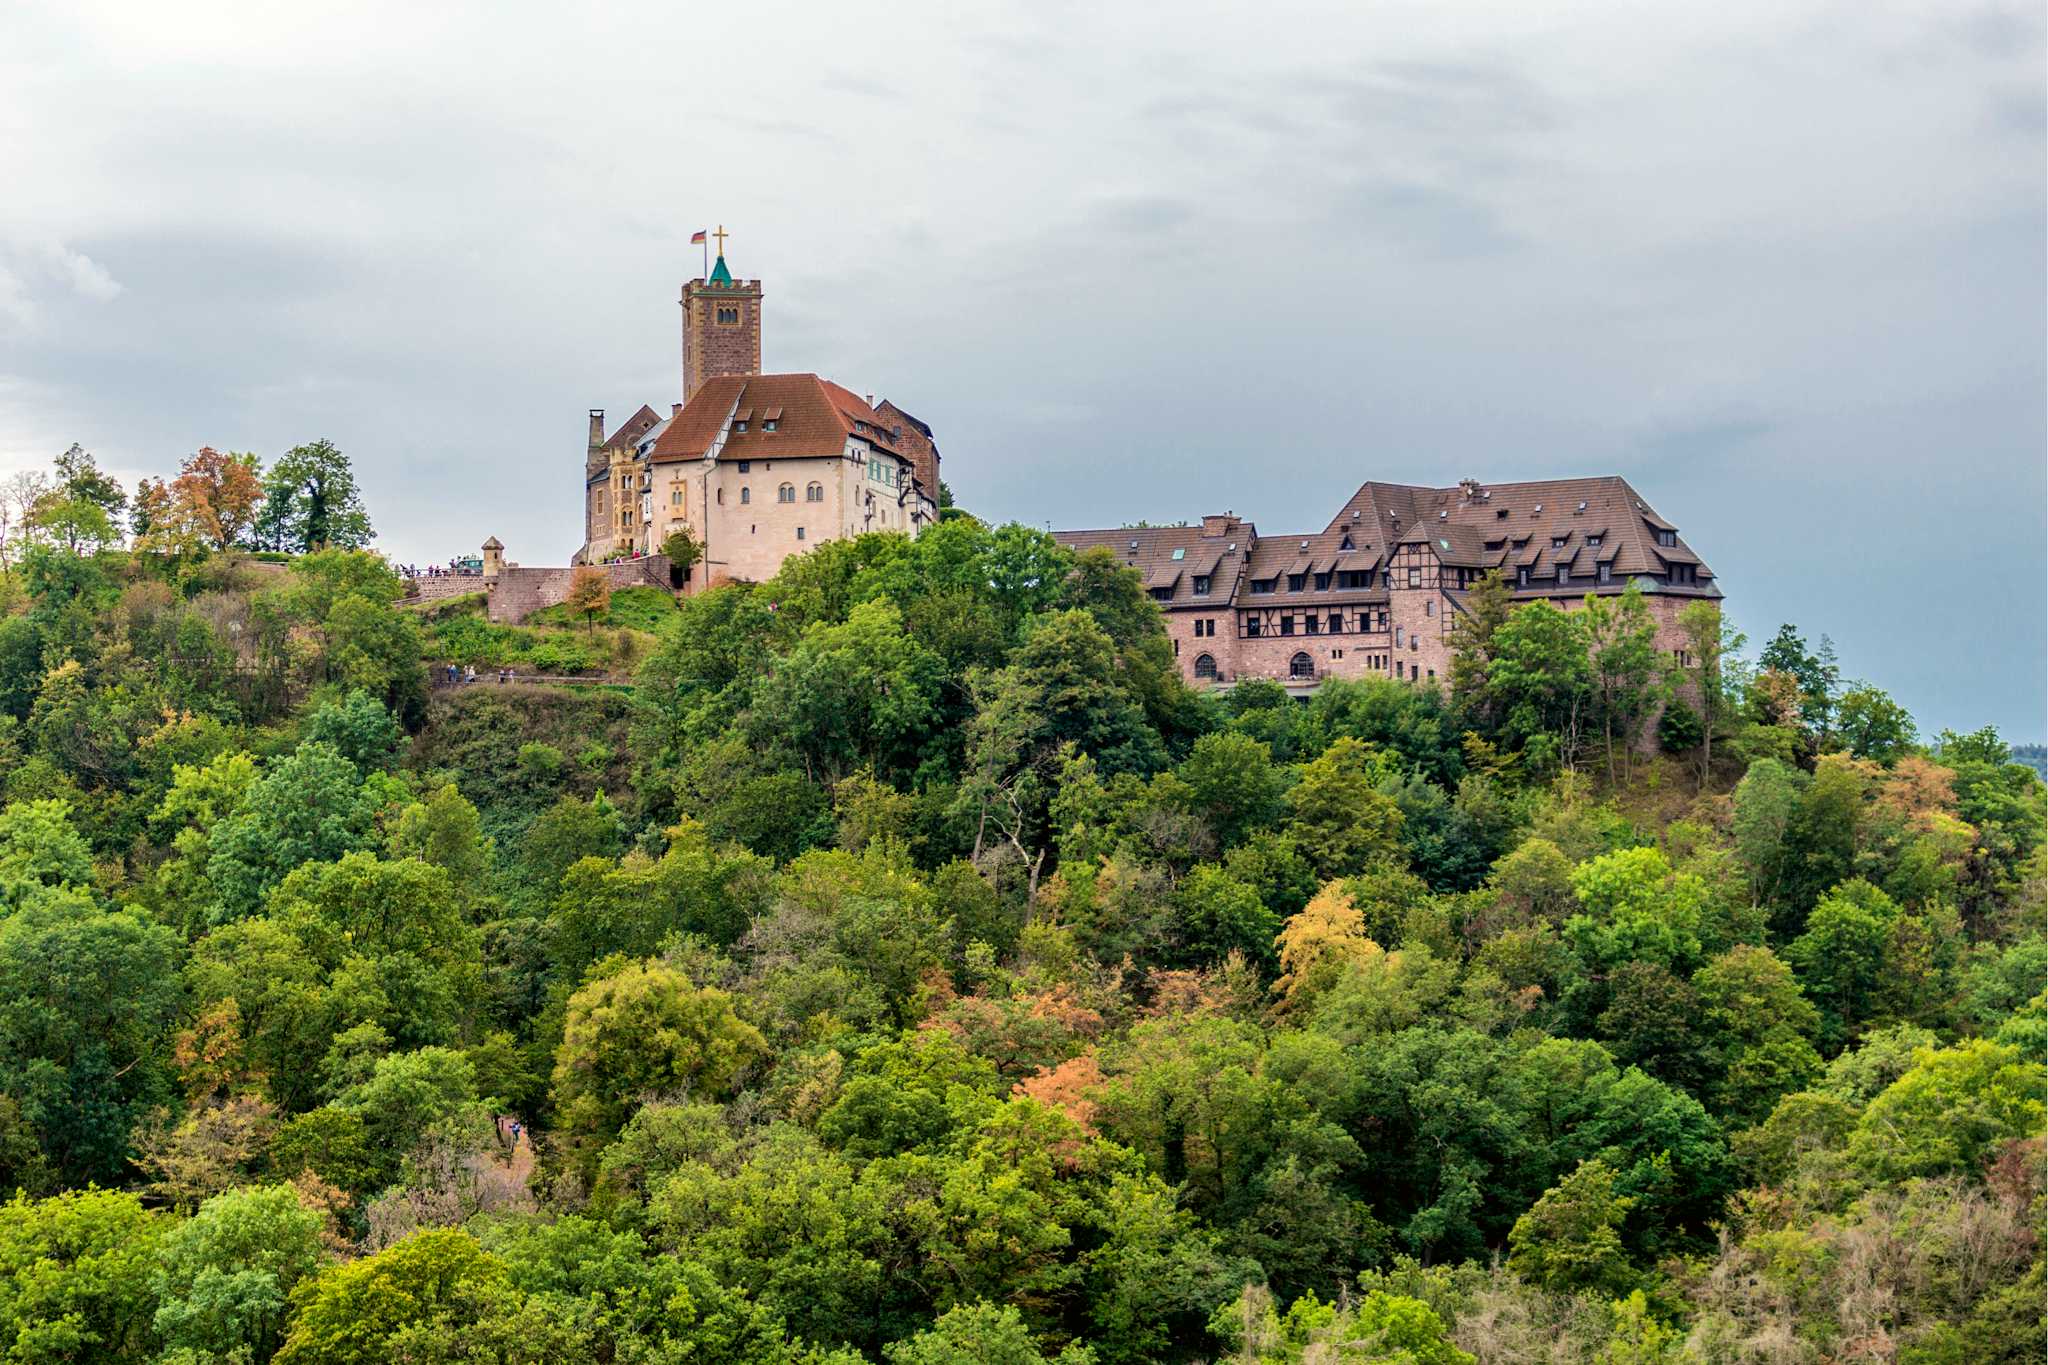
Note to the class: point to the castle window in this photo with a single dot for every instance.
(1564, 572)
(1414, 577)
(746, 496)
(721, 497)
(786, 493)
(799, 533)
(1336, 623)
(1398, 635)
(814, 493)
(675, 497)
(746, 466)
(1251, 627)
(1522, 578)
(1429, 608)
(1205, 667)
(1301, 668)
(728, 317)
(1606, 572)
(1315, 624)
(1287, 625)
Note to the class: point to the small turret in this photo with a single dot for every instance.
(494, 557)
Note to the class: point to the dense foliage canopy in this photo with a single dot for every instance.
(903, 965)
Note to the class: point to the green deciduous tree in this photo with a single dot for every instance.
(310, 502)
(642, 1030)
(1338, 818)
(76, 1273)
(87, 997)
(224, 1277)
(351, 1314)
(1571, 1238)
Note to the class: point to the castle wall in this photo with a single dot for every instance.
(516, 593)
(443, 586)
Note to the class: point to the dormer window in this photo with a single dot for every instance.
(1593, 542)
(1296, 582)
(739, 426)
(1557, 542)
(770, 424)
(1262, 585)
(1522, 578)
(1322, 582)
(1563, 572)
(1667, 537)
(1500, 514)
(1347, 545)
(1201, 585)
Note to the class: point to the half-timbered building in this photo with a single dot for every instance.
(1382, 588)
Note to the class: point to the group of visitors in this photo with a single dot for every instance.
(461, 673)
(457, 567)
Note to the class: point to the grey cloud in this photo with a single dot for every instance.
(1784, 255)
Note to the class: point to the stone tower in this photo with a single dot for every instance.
(721, 328)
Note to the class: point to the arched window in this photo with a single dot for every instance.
(786, 493)
(1205, 666)
(815, 493)
(721, 497)
(746, 496)
(1301, 668)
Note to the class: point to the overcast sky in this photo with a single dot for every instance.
(1780, 263)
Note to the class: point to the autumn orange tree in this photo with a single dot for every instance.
(590, 594)
(216, 495)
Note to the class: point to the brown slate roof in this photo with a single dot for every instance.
(1150, 550)
(630, 430)
(813, 417)
(1473, 525)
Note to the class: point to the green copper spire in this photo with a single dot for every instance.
(719, 274)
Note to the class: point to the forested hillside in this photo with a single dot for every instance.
(907, 967)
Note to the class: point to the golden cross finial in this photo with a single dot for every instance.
(721, 235)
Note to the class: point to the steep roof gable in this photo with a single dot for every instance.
(812, 418)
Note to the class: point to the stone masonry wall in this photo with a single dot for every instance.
(442, 586)
(517, 593)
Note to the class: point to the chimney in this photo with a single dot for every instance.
(597, 428)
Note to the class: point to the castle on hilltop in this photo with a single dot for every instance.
(1382, 589)
(756, 467)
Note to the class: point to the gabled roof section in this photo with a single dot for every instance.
(630, 430)
(1216, 559)
(813, 419)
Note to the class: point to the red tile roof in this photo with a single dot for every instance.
(813, 418)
